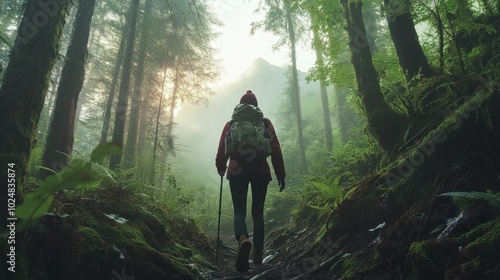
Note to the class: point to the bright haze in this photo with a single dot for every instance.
(249, 63)
(238, 49)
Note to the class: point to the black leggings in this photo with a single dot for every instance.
(239, 190)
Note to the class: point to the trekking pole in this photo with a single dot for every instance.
(218, 226)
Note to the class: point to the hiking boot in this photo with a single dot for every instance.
(243, 254)
(257, 257)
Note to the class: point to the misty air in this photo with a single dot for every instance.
(269, 139)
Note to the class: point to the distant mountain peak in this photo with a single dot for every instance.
(260, 67)
(260, 62)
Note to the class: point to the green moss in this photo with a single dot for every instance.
(87, 219)
(470, 270)
(321, 234)
(123, 232)
(91, 239)
(481, 250)
(183, 250)
(421, 263)
(199, 259)
(488, 243)
(354, 266)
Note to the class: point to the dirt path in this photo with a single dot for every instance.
(226, 263)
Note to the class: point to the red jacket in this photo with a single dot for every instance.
(261, 165)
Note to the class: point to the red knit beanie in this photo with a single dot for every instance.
(249, 98)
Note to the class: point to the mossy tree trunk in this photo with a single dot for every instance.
(121, 107)
(25, 85)
(136, 105)
(404, 36)
(384, 123)
(295, 86)
(60, 138)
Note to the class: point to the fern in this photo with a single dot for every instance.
(464, 199)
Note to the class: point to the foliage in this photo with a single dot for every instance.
(275, 21)
(465, 199)
(79, 174)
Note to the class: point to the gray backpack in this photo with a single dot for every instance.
(247, 138)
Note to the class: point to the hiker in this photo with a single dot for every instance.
(248, 164)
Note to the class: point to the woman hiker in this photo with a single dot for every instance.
(251, 168)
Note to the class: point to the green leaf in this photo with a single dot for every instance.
(34, 206)
(76, 175)
(104, 150)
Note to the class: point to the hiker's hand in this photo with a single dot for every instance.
(281, 183)
(222, 172)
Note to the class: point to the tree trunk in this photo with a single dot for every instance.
(169, 149)
(157, 129)
(121, 108)
(60, 138)
(136, 105)
(46, 114)
(144, 123)
(322, 85)
(440, 29)
(372, 24)
(384, 123)
(410, 54)
(24, 87)
(114, 81)
(295, 88)
(342, 113)
(90, 84)
(455, 39)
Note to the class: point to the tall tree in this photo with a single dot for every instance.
(280, 20)
(121, 108)
(410, 54)
(295, 85)
(169, 139)
(328, 23)
(60, 138)
(112, 88)
(344, 113)
(111, 94)
(189, 26)
(136, 105)
(384, 122)
(25, 84)
(325, 105)
(157, 127)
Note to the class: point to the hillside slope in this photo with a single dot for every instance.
(433, 214)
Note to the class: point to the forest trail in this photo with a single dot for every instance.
(290, 252)
(226, 263)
